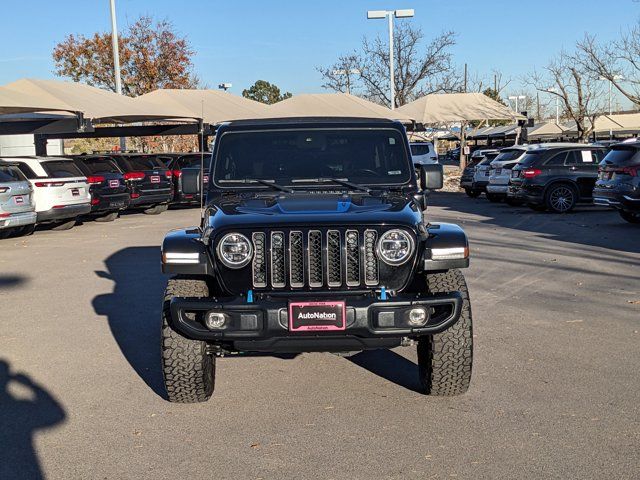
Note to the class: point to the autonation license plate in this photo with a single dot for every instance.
(316, 316)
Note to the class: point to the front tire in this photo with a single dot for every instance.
(630, 217)
(187, 368)
(472, 193)
(445, 359)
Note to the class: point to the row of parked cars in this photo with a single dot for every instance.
(60, 190)
(558, 176)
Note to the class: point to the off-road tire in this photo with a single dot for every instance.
(156, 209)
(63, 225)
(109, 217)
(472, 193)
(630, 217)
(189, 372)
(445, 359)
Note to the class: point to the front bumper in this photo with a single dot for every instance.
(63, 212)
(18, 220)
(262, 326)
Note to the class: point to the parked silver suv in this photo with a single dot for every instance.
(17, 211)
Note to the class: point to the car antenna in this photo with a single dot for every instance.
(202, 147)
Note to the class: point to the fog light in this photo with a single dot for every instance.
(215, 320)
(417, 317)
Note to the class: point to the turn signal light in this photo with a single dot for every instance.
(177, 173)
(531, 173)
(168, 174)
(632, 171)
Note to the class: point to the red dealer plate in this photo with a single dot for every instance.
(155, 179)
(316, 316)
(19, 200)
(114, 183)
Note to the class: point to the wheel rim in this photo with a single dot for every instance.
(561, 199)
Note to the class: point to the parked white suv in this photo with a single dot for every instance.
(500, 172)
(423, 153)
(481, 174)
(17, 214)
(60, 190)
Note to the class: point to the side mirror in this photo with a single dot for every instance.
(431, 176)
(191, 181)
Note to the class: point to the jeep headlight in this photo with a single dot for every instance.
(235, 250)
(395, 247)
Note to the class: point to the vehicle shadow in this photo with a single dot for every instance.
(25, 408)
(390, 366)
(8, 282)
(133, 309)
(586, 225)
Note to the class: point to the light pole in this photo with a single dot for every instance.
(516, 98)
(376, 14)
(615, 77)
(348, 72)
(554, 90)
(116, 60)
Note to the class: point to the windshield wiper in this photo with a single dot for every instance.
(268, 183)
(340, 181)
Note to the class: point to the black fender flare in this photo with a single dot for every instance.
(445, 248)
(184, 253)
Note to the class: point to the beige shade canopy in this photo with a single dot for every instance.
(15, 102)
(546, 130)
(333, 105)
(96, 104)
(214, 106)
(457, 107)
(621, 122)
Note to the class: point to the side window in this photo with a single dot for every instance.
(26, 170)
(558, 159)
(573, 158)
(585, 158)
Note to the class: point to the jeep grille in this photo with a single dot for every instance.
(314, 259)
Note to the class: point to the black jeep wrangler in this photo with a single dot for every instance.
(313, 240)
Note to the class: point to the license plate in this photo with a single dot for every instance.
(114, 183)
(75, 192)
(155, 179)
(18, 200)
(118, 204)
(515, 173)
(205, 179)
(316, 316)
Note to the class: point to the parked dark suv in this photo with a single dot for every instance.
(556, 176)
(176, 164)
(148, 179)
(618, 185)
(107, 186)
(314, 240)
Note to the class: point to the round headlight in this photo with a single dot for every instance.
(235, 250)
(395, 247)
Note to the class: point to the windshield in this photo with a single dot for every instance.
(143, 162)
(531, 157)
(509, 155)
(419, 149)
(622, 156)
(367, 156)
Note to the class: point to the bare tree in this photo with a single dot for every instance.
(419, 69)
(617, 61)
(580, 94)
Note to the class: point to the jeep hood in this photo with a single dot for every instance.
(315, 209)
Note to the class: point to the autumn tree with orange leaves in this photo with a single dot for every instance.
(152, 56)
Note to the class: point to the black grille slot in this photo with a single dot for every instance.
(277, 260)
(370, 260)
(296, 259)
(315, 258)
(352, 264)
(259, 264)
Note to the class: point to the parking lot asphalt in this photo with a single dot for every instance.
(556, 305)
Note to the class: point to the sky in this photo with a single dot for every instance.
(284, 41)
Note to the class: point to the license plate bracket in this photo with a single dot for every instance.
(317, 316)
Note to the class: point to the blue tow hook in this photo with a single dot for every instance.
(250, 296)
(383, 293)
